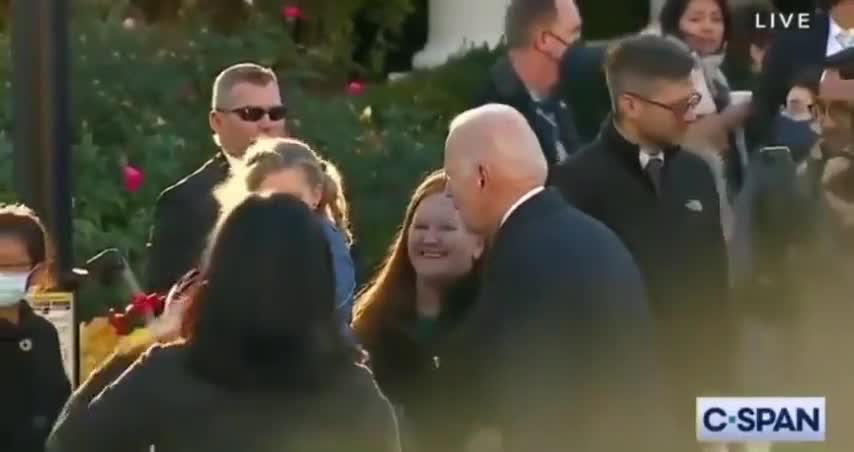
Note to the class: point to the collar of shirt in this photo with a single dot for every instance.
(236, 164)
(833, 42)
(530, 194)
(645, 155)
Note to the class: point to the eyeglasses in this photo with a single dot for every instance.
(678, 108)
(255, 114)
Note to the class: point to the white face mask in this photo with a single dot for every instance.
(13, 287)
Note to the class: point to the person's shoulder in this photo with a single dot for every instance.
(688, 161)
(589, 153)
(356, 384)
(502, 85)
(43, 327)
(202, 179)
(159, 354)
(584, 164)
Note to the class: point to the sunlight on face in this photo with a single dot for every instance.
(439, 246)
(702, 24)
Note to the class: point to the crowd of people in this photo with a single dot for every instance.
(615, 231)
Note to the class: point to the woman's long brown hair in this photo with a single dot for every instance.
(390, 295)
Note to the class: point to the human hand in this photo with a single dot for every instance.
(167, 326)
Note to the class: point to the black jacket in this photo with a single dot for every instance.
(679, 250)
(158, 401)
(407, 363)
(558, 346)
(676, 239)
(183, 218)
(580, 101)
(505, 87)
(33, 379)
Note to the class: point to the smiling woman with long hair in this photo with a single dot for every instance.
(263, 366)
(419, 295)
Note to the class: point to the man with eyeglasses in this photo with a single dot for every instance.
(824, 269)
(829, 170)
(538, 34)
(246, 104)
(662, 202)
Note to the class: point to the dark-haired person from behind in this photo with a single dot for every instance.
(263, 368)
(34, 382)
(421, 292)
(662, 203)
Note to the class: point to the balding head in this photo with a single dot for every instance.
(492, 157)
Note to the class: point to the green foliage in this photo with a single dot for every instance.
(142, 96)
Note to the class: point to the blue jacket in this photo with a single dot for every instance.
(345, 273)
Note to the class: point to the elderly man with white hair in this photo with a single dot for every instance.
(557, 351)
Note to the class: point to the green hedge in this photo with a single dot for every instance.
(143, 95)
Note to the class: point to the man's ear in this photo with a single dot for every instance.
(214, 120)
(625, 105)
(482, 176)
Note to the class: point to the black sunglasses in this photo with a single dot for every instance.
(679, 108)
(255, 114)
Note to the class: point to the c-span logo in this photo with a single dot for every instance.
(766, 419)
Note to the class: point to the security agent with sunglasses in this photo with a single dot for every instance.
(662, 202)
(539, 35)
(246, 104)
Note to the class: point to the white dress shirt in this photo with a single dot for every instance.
(237, 164)
(836, 38)
(519, 202)
(645, 155)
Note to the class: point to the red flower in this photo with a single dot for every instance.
(146, 304)
(355, 88)
(120, 323)
(133, 178)
(292, 12)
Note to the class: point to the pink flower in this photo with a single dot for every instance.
(355, 88)
(133, 178)
(292, 12)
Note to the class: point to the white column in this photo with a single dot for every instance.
(654, 9)
(456, 25)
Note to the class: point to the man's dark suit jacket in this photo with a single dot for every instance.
(557, 350)
(677, 241)
(183, 218)
(790, 54)
(505, 87)
(580, 99)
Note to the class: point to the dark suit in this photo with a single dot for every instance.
(680, 252)
(183, 218)
(791, 52)
(505, 87)
(557, 351)
(579, 102)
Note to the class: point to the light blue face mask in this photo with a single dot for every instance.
(13, 287)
